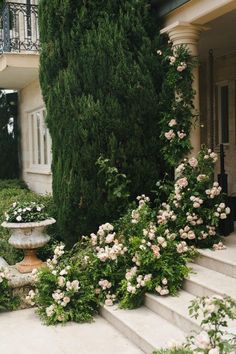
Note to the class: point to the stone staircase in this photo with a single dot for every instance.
(162, 319)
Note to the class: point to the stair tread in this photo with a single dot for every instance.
(227, 255)
(146, 324)
(219, 283)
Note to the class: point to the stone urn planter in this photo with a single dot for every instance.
(28, 236)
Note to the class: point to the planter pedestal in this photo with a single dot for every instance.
(28, 237)
(30, 262)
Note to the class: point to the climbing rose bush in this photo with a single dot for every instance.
(176, 102)
(195, 206)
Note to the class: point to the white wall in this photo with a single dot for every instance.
(30, 99)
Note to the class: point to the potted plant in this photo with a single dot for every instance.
(27, 222)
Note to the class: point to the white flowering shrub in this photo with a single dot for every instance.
(7, 299)
(195, 207)
(134, 256)
(62, 291)
(106, 259)
(215, 312)
(26, 212)
(157, 262)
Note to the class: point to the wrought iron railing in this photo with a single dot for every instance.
(19, 27)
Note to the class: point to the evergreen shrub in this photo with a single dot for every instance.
(100, 77)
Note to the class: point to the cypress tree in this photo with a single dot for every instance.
(100, 79)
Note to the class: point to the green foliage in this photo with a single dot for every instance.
(12, 192)
(8, 301)
(12, 183)
(117, 185)
(173, 351)
(100, 78)
(8, 139)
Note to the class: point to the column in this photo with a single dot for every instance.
(188, 34)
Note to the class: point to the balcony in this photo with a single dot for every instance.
(19, 45)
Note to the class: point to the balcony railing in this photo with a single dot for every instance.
(19, 27)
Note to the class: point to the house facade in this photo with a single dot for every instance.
(205, 26)
(19, 70)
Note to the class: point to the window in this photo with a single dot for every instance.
(223, 113)
(39, 142)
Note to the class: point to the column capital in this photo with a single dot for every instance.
(184, 33)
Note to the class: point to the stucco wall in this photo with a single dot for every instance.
(30, 99)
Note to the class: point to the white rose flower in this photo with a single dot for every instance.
(214, 351)
(202, 340)
(18, 218)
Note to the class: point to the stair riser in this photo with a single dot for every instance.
(217, 265)
(127, 331)
(185, 324)
(199, 289)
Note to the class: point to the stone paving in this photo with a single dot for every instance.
(21, 332)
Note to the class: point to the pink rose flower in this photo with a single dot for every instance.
(172, 122)
(182, 182)
(193, 162)
(181, 135)
(170, 134)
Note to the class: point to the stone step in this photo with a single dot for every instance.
(204, 282)
(223, 261)
(174, 309)
(3, 263)
(144, 328)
